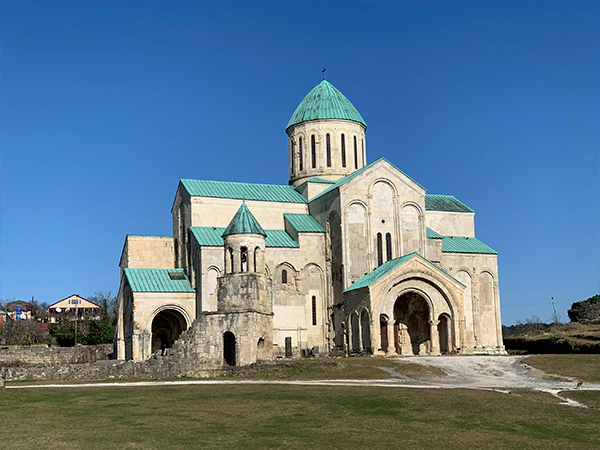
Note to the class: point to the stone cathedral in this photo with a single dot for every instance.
(348, 258)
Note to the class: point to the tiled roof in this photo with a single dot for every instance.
(304, 223)
(349, 177)
(461, 244)
(243, 191)
(324, 101)
(432, 234)
(388, 266)
(436, 202)
(158, 280)
(212, 237)
(243, 222)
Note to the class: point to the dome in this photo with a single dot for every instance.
(325, 102)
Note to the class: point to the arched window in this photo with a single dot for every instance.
(313, 151)
(230, 250)
(328, 139)
(293, 157)
(244, 258)
(314, 310)
(343, 151)
(284, 276)
(355, 154)
(379, 250)
(388, 246)
(300, 154)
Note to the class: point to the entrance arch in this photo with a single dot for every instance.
(167, 326)
(229, 348)
(411, 326)
(445, 333)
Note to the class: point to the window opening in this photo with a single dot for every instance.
(355, 154)
(244, 258)
(293, 157)
(314, 310)
(300, 154)
(328, 139)
(388, 246)
(313, 151)
(284, 276)
(379, 250)
(343, 151)
(230, 259)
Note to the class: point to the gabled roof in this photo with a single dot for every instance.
(242, 191)
(324, 101)
(158, 280)
(243, 222)
(354, 174)
(304, 223)
(83, 303)
(212, 237)
(387, 267)
(437, 202)
(462, 244)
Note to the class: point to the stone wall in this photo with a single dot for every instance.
(585, 312)
(50, 356)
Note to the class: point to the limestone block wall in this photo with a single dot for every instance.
(451, 223)
(49, 356)
(481, 298)
(148, 251)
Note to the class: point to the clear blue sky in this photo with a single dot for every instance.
(104, 106)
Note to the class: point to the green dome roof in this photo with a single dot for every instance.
(325, 102)
(243, 223)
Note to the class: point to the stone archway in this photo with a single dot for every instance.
(445, 333)
(229, 352)
(167, 326)
(412, 330)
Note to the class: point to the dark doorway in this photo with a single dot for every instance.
(167, 326)
(229, 348)
(384, 333)
(444, 333)
(411, 312)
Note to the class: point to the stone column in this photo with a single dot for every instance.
(434, 338)
(390, 335)
(359, 331)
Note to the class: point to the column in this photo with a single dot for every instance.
(391, 350)
(434, 338)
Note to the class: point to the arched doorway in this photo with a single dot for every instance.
(167, 326)
(229, 348)
(411, 327)
(355, 331)
(445, 334)
(365, 329)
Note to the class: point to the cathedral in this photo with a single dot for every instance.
(349, 258)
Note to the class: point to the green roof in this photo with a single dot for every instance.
(304, 223)
(462, 244)
(243, 191)
(432, 234)
(212, 237)
(436, 202)
(325, 102)
(158, 280)
(388, 266)
(243, 222)
(319, 180)
(349, 177)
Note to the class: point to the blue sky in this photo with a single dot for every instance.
(104, 106)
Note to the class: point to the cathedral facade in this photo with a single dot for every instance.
(349, 257)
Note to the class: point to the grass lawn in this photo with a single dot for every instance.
(579, 367)
(259, 416)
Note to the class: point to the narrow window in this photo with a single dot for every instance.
(355, 154)
(388, 246)
(230, 260)
(300, 154)
(244, 258)
(379, 250)
(284, 276)
(364, 156)
(328, 139)
(314, 310)
(313, 151)
(343, 151)
(293, 158)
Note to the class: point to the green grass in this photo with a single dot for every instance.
(258, 416)
(578, 367)
(589, 398)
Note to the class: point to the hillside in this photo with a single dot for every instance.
(569, 338)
